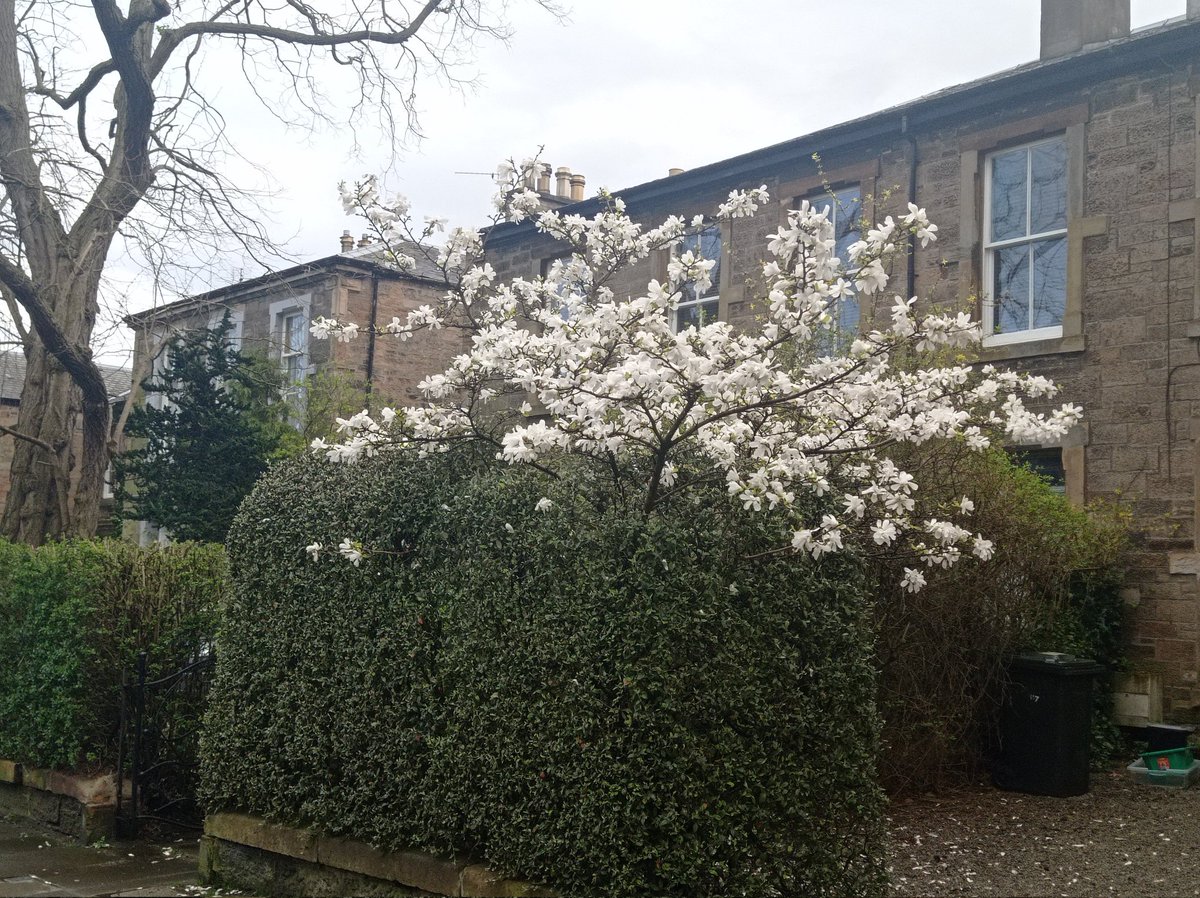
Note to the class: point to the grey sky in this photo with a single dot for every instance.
(623, 90)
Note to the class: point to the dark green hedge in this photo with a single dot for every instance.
(73, 617)
(611, 705)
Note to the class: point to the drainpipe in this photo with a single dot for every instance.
(371, 334)
(911, 282)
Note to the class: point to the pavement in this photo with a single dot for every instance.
(40, 862)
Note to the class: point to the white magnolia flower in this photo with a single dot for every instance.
(568, 365)
(351, 550)
(913, 580)
(313, 550)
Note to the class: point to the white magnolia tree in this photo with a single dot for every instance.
(562, 367)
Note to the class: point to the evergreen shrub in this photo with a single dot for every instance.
(612, 704)
(73, 617)
(1052, 585)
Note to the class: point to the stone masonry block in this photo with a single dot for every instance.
(258, 833)
(1182, 650)
(411, 868)
(481, 882)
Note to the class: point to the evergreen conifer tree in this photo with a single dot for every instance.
(198, 454)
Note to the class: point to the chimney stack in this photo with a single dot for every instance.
(1193, 9)
(563, 176)
(364, 240)
(1071, 25)
(347, 242)
(543, 182)
(577, 182)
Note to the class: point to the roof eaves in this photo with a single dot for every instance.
(200, 300)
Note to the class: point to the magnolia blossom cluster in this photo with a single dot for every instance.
(770, 410)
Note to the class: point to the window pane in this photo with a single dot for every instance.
(1008, 195)
(695, 315)
(294, 368)
(847, 220)
(1010, 289)
(294, 333)
(710, 248)
(704, 244)
(1046, 463)
(1049, 190)
(821, 203)
(1049, 282)
(847, 320)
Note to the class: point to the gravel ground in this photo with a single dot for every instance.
(1120, 839)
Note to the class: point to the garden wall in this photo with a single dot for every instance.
(240, 851)
(83, 807)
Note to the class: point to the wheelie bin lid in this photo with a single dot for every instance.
(1056, 664)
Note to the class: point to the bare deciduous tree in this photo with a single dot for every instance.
(108, 139)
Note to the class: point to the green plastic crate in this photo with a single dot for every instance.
(1168, 779)
(1171, 759)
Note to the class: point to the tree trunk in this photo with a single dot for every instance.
(60, 380)
(97, 419)
(37, 507)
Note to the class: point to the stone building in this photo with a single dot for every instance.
(271, 314)
(1066, 193)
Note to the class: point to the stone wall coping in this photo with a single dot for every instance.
(457, 877)
(91, 791)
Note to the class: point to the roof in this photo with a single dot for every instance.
(368, 259)
(118, 380)
(1041, 78)
(424, 257)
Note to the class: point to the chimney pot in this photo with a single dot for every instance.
(1071, 25)
(543, 184)
(563, 176)
(347, 242)
(671, 172)
(577, 184)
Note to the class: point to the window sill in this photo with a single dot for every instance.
(1030, 348)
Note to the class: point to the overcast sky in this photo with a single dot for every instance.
(622, 90)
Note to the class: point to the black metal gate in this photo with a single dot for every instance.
(159, 742)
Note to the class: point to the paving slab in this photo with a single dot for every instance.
(39, 862)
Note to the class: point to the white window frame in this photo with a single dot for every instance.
(990, 247)
(714, 296)
(278, 314)
(286, 353)
(828, 197)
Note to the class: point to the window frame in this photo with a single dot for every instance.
(286, 354)
(830, 194)
(991, 247)
(564, 287)
(713, 297)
